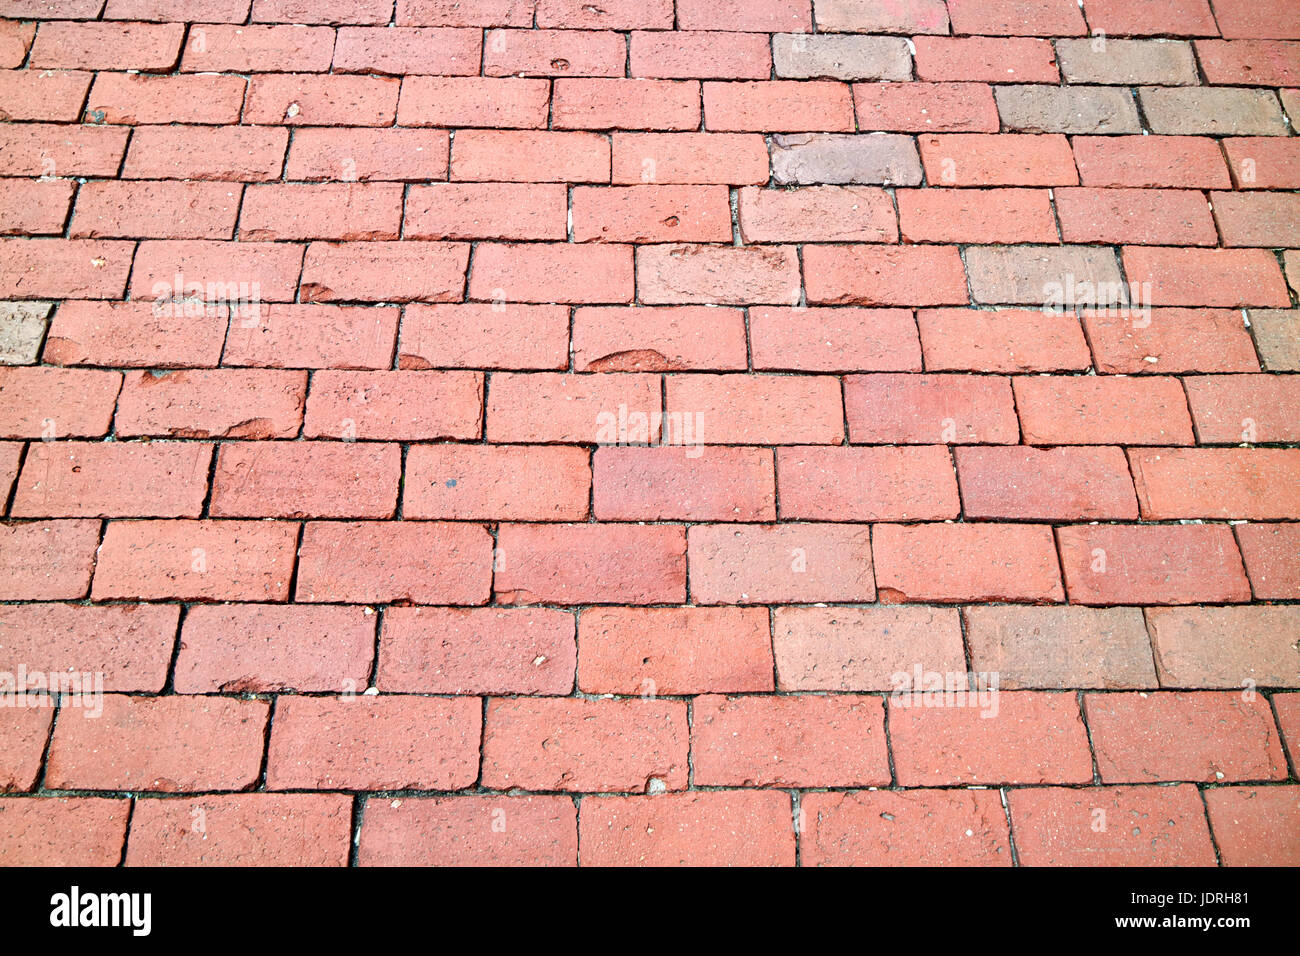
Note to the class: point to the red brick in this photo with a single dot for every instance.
(1244, 408)
(245, 48)
(1047, 484)
(374, 743)
(1263, 162)
(384, 271)
(62, 831)
(401, 50)
(321, 11)
(866, 484)
(47, 149)
(24, 729)
(473, 101)
(985, 59)
(1152, 564)
(35, 207)
(312, 336)
(477, 335)
(968, 215)
(1255, 826)
(1201, 737)
(905, 828)
(1270, 19)
(1154, 17)
(1250, 62)
(205, 11)
(625, 104)
(195, 561)
(1094, 410)
(11, 453)
(395, 406)
(559, 407)
(166, 210)
(926, 107)
(310, 99)
(578, 745)
(428, 650)
(960, 562)
(924, 409)
(112, 480)
(551, 272)
(359, 154)
(64, 268)
(1017, 17)
(1152, 161)
(690, 158)
(60, 44)
(212, 403)
(727, 275)
(385, 562)
(683, 484)
(1272, 556)
(1287, 708)
(1060, 647)
(1230, 278)
(47, 560)
(759, 409)
(56, 403)
(614, 15)
(834, 340)
(688, 54)
(782, 106)
(1003, 340)
(306, 480)
(141, 98)
(862, 648)
(487, 211)
(688, 650)
(651, 214)
(247, 829)
(1111, 826)
(525, 156)
(53, 95)
(466, 13)
(701, 828)
(16, 40)
(260, 648)
(1257, 219)
(245, 271)
(816, 214)
(759, 16)
(590, 564)
(1225, 646)
(1020, 737)
(1007, 159)
(167, 744)
(232, 153)
(553, 53)
(781, 564)
(1174, 340)
(469, 830)
(798, 741)
(346, 211)
(884, 275)
(130, 645)
(635, 339)
(1146, 216)
(491, 483)
(1257, 483)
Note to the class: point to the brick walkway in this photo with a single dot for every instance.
(547, 431)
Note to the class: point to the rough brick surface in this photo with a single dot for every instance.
(650, 432)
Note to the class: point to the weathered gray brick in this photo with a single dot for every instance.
(1066, 276)
(1066, 109)
(22, 327)
(1127, 62)
(1277, 334)
(808, 158)
(841, 56)
(1213, 111)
